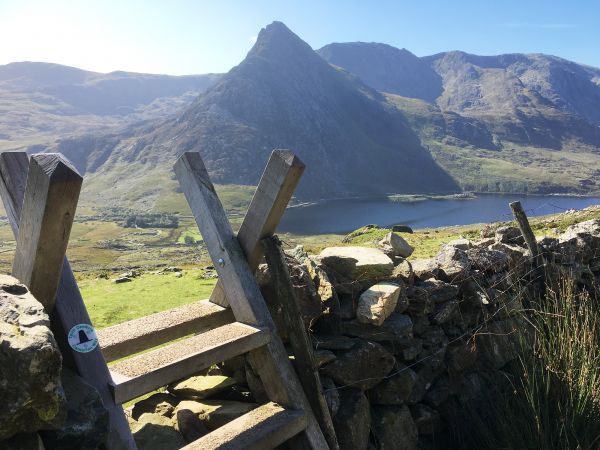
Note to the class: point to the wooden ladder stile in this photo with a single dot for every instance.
(235, 322)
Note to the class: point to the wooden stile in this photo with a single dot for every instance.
(47, 216)
(69, 309)
(241, 290)
(304, 359)
(274, 191)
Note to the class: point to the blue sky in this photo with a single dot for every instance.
(186, 36)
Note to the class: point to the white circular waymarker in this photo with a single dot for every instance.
(82, 338)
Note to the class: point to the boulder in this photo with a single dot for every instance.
(352, 420)
(30, 364)
(86, 426)
(461, 244)
(201, 386)
(454, 263)
(404, 271)
(402, 229)
(509, 235)
(499, 342)
(358, 263)
(398, 245)
(396, 389)
(160, 403)
(377, 303)
(215, 413)
(362, 367)
(424, 269)
(154, 431)
(393, 428)
(488, 260)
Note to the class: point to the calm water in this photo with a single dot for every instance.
(342, 216)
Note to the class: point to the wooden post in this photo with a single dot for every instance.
(69, 307)
(526, 231)
(47, 216)
(274, 191)
(301, 344)
(241, 289)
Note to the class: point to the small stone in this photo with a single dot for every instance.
(402, 229)
(121, 280)
(377, 303)
(202, 386)
(398, 245)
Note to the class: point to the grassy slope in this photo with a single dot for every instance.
(514, 168)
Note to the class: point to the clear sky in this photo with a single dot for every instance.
(190, 37)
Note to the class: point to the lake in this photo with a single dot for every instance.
(343, 216)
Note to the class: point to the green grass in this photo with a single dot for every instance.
(109, 303)
(553, 397)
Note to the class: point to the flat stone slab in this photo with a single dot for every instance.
(357, 263)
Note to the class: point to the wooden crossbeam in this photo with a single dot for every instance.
(69, 309)
(304, 359)
(47, 216)
(274, 191)
(271, 361)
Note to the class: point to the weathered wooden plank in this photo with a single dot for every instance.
(263, 428)
(271, 361)
(304, 360)
(47, 214)
(69, 308)
(274, 191)
(150, 331)
(526, 230)
(151, 370)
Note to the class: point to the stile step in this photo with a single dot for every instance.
(148, 371)
(137, 335)
(263, 428)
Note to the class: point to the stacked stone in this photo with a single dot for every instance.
(401, 344)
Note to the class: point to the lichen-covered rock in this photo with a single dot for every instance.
(352, 420)
(398, 245)
(30, 364)
(377, 303)
(404, 271)
(393, 428)
(454, 263)
(357, 263)
(396, 389)
(361, 367)
(86, 426)
(201, 386)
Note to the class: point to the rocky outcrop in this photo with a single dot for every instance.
(30, 364)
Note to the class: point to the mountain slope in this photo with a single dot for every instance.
(284, 95)
(386, 68)
(42, 101)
